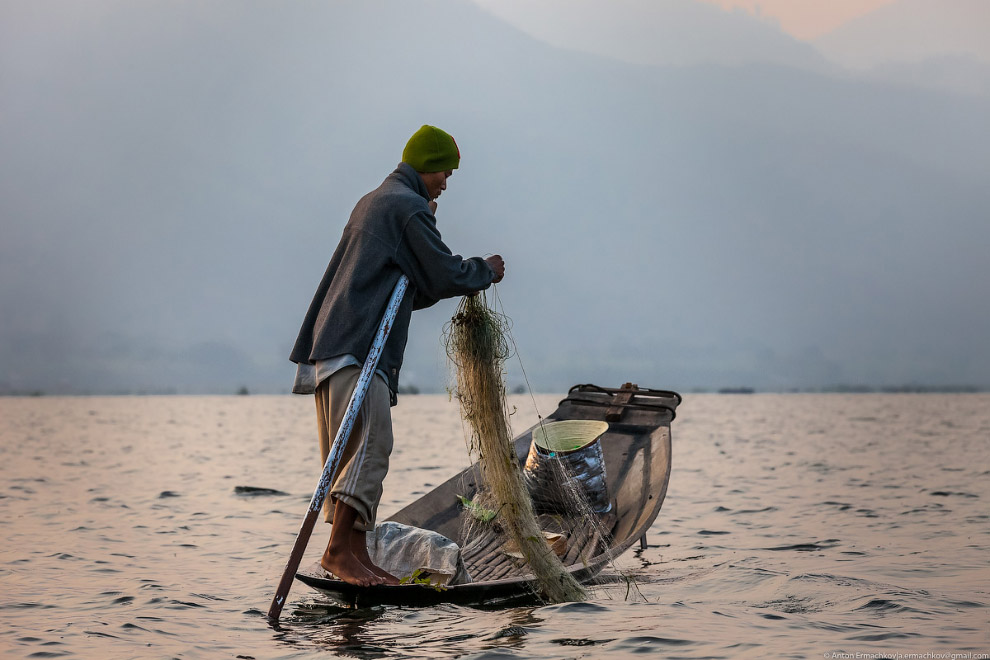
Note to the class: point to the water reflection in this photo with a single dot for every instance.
(377, 632)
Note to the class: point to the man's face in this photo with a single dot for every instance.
(436, 182)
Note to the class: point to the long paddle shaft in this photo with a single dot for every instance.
(343, 433)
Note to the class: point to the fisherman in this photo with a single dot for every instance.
(392, 231)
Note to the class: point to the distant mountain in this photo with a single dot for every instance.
(933, 44)
(656, 32)
(952, 73)
(174, 176)
(910, 31)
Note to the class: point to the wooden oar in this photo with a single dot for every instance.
(343, 433)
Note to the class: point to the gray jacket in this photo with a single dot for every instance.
(391, 231)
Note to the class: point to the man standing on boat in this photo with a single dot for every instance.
(392, 231)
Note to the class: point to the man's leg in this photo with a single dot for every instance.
(339, 557)
(357, 486)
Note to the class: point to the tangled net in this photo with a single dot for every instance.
(477, 345)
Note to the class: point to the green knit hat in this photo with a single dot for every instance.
(431, 150)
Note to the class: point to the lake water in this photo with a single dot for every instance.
(795, 526)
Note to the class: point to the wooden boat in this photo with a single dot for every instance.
(636, 450)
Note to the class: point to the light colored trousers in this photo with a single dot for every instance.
(364, 463)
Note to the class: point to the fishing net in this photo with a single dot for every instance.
(565, 527)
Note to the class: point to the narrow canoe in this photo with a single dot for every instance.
(636, 451)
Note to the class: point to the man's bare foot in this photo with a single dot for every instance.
(346, 556)
(359, 547)
(382, 573)
(348, 568)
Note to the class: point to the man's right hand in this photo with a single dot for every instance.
(495, 261)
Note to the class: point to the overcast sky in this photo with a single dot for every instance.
(686, 196)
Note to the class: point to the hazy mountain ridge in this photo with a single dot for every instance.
(909, 31)
(679, 226)
(924, 43)
(657, 32)
(936, 44)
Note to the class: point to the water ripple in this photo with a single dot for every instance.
(789, 528)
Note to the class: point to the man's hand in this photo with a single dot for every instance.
(495, 261)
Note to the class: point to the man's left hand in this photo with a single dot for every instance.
(495, 261)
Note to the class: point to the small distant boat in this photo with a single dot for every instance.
(737, 390)
(636, 453)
